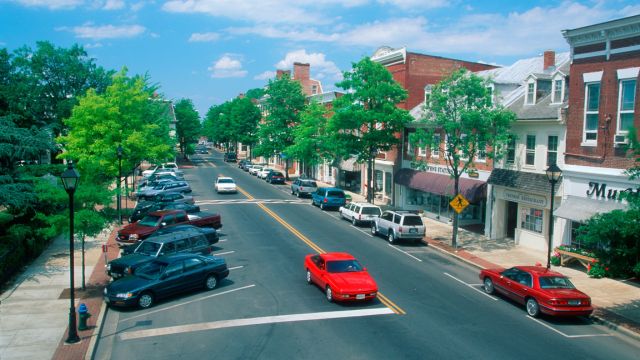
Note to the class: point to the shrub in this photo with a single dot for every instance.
(597, 270)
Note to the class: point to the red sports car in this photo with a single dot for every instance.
(541, 290)
(341, 276)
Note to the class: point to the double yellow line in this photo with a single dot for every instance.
(388, 303)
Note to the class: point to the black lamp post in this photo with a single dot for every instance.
(70, 178)
(553, 175)
(119, 201)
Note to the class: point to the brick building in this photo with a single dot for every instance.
(603, 107)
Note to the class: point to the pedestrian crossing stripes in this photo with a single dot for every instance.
(251, 201)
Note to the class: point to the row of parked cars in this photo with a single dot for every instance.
(262, 171)
(167, 246)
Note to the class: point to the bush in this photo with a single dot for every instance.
(555, 259)
(597, 270)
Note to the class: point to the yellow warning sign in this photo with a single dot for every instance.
(459, 203)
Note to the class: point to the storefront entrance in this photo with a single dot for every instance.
(512, 219)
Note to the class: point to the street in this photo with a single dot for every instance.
(429, 306)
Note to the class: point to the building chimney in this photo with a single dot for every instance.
(301, 71)
(549, 59)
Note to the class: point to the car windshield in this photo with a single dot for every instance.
(225, 181)
(148, 248)
(555, 282)
(337, 194)
(149, 220)
(151, 270)
(371, 211)
(340, 266)
(412, 220)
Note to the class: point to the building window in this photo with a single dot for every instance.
(481, 155)
(531, 93)
(592, 107)
(422, 151)
(531, 150)
(511, 150)
(314, 89)
(531, 219)
(427, 93)
(435, 147)
(557, 91)
(387, 184)
(626, 104)
(552, 150)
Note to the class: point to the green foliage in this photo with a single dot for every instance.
(614, 239)
(255, 94)
(244, 118)
(311, 144)
(188, 125)
(555, 260)
(89, 223)
(217, 125)
(366, 118)
(597, 270)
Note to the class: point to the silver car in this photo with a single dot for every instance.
(170, 187)
(360, 212)
(397, 225)
(303, 187)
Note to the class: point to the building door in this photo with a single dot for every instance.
(512, 219)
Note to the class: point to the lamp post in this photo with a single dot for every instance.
(553, 175)
(119, 201)
(70, 178)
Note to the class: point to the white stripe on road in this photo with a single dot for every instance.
(471, 286)
(236, 267)
(188, 302)
(563, 334)
(224, 253)
(181, 329)
(404, 252)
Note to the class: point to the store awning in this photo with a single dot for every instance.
(581, 209)
(349, 164)
(473, 190)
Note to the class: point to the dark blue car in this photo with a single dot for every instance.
(328, 198)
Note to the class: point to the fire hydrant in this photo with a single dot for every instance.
(83, 314)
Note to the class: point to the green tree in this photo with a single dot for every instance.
(284, 100)
(460, 110)
(217, 126)
(244, 117)
(310, 145)
(256, 93)
(188, 126)
(366, 118)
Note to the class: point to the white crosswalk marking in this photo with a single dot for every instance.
(251, 201)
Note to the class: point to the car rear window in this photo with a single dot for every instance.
(225, 181)
(412, 220)
(371, 211)
(308, 183)
(338, 194)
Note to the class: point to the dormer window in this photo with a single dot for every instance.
(531, 93)
(558, 91)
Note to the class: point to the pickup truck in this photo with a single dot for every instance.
(140, 230)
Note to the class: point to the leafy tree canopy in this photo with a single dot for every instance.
(188, 126)
(311, 144)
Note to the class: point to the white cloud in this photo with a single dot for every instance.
(135, 7)
(51, 4)
(113, 5)
(265, 75)
(320, 66)
(89, 31)
(227, 66)
(93, 45)
(204, 37)
(416, 4)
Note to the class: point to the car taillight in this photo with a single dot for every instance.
(557, 302)
(325, 200)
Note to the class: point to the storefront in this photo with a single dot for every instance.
(349, 175)
(383, 180)
(519, 205)
(431, 192)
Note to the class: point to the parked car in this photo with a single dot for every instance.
(399, 225)
(242, 162)
(225, 184)
(154, 180)
(172, 198)
(340, 276)
(275, 177)
(541, 290)
(167, 167)
(187, 240)
(142, 229)
(253, 170)
(246, 166)
(262, 174)
(230, 157)
(145, 207)
(165, 276)
(360, 212)
(303, 187)
(328, 198)
(163, 188)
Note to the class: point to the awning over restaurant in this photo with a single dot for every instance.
(473, 190)
(349, 164)
(581, 209)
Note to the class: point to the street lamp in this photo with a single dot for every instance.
(553, 175)
(119, 201)
(70, 178)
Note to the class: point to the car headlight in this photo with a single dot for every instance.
(124, 295)
(133, 237)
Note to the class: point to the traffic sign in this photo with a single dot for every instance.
(459, 203)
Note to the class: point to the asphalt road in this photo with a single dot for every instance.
(431, 306)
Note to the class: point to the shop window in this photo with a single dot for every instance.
(387, 183)
(531, 150)
(552, 150)
(378, 180)
(532, 219)
(592, 108)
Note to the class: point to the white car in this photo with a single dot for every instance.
(360, 212)
(262, 174)
(255, 169)
(225, 185)
(164, 168)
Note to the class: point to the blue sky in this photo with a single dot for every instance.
(212, 50)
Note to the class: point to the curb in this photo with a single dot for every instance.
(96, 333)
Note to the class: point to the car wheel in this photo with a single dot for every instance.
(212, 282)
(308, 276)
(374, 229)
(329, 294)
(533, 309)
(146, 300)
(354, 222)
(322, 207)
(488, 285)
(299, 194)
(391, 238)
(293, 192)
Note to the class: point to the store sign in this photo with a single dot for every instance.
(520, 197)
(599, 190)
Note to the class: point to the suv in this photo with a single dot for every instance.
(360, 212)
(328, 197)
(275, 177)
(230, 157)
(187, 240)
(397, 225)
(303, 187)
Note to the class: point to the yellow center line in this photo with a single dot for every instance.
(388, 303)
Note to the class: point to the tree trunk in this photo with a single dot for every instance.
(370, 180)
(454, 233)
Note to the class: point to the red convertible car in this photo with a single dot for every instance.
(541, 290)
(341, 277)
